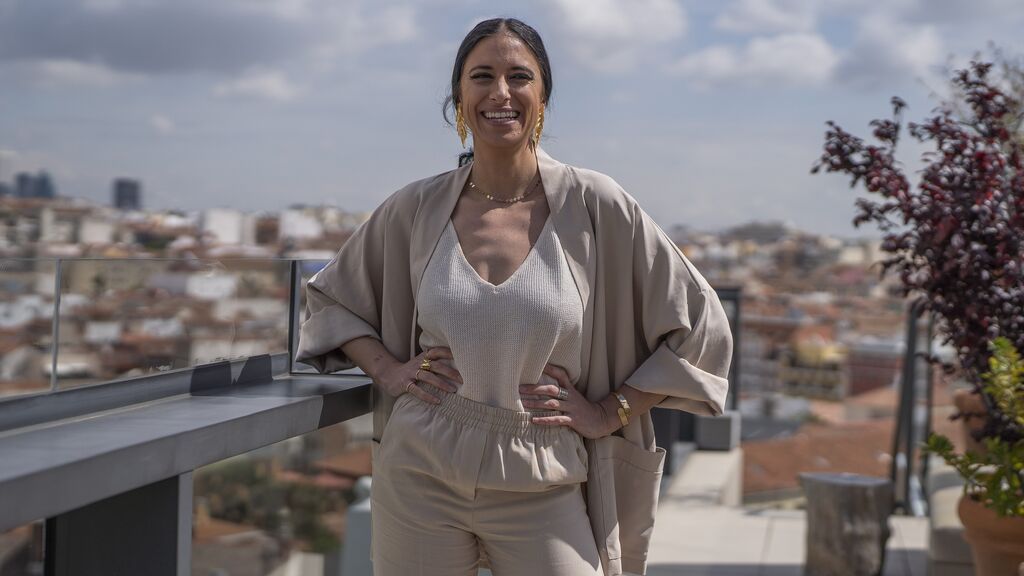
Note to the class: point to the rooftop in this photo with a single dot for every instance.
(696, 534)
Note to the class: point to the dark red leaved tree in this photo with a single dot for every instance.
(956, 239)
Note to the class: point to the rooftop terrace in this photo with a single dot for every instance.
(159, 426)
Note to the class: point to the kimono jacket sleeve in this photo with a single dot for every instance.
(343, 300)
(684, 328)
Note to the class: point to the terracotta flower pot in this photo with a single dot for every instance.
(997, 544)
(974, 416)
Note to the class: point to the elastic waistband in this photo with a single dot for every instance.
(478, 415)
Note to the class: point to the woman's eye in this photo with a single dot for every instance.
(480, 76)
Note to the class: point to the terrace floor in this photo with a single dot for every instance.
(695, 536)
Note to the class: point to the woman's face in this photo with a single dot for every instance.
(502, 92)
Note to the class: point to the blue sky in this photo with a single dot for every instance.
(710, 113)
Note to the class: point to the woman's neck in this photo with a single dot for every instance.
(504, 175)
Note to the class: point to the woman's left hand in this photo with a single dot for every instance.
(585, 417)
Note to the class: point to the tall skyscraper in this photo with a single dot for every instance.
(127, 194)
(24, 185)
(44, 186)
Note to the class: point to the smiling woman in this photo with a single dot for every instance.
(515, 61)
(519, 318)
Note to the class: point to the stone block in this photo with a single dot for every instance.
(718, 432)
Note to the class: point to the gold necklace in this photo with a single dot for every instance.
(514, 199)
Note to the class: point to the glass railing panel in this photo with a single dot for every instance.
(829, 401)
(307, 268)
(123, 318)
(283, 509)
(27, 288)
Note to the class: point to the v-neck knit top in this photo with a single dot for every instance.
(502, 335)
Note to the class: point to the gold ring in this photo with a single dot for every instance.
(417, 376)
(408, 384)
(425, 364)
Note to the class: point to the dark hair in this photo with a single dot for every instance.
(486, 29)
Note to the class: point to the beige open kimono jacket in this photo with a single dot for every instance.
(650, 321)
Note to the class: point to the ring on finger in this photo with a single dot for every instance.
(563, 394)
(425, 364)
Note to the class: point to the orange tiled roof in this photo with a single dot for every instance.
(861, 448)
(353, 463)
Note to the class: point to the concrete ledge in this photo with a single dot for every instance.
(52, 467)
(948, 552)
(48, 407)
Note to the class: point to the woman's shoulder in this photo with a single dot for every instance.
(404, 202)
(414, 192)
(603, 193)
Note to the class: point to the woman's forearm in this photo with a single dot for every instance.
(639, 403)
(370, 355)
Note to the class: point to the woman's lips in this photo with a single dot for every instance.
(500, 118)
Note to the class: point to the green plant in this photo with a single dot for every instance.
(994, 478)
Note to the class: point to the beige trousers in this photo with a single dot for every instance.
(462, 480)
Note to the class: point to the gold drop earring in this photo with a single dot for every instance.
(460, 124)
(539, 128)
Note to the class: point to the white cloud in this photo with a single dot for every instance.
(354, 30)
(61, 71)
(225, 37)
(259, 83)
(8, 155)
(766, 16)
(612, 34)
(162, 124)
(886, 48)
(802, 59)
(296, 9)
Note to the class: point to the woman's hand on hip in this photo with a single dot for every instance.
(412, 378)
(587, 418)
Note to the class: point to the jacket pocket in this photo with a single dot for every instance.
(628, 478)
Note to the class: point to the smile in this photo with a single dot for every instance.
(504, 115)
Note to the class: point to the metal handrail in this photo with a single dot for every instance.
(907, 473)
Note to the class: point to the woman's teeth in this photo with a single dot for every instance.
(500, 115)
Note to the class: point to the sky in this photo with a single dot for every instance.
(710, 113)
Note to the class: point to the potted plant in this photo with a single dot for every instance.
(956, 239)
(992, 508)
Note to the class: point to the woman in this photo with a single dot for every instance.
(519, 318)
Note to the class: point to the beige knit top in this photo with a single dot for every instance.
(502, 335)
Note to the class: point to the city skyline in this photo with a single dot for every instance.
(710, 114)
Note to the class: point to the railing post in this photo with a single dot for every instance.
(930, 396)
(147, 530)
(294, 318)
(55, 330)
(735, 377)
(902, 467)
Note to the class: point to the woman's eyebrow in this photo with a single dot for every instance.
(516, 68)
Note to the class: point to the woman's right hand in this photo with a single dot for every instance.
(395, 380)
